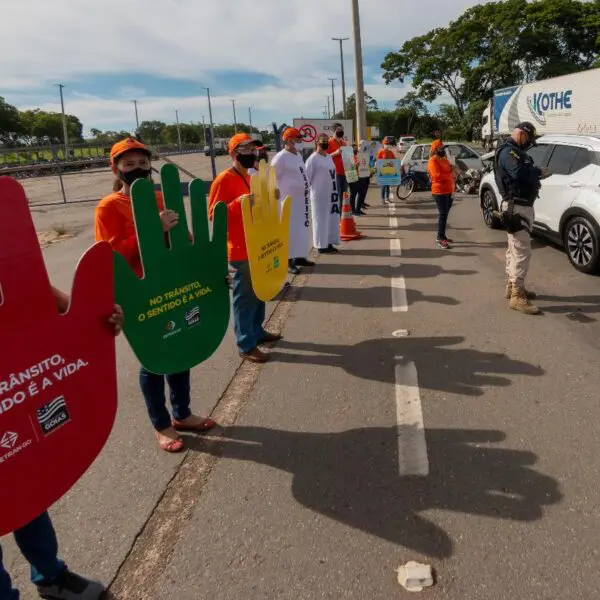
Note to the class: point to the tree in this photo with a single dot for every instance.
(413, 107)
(370, 105)
(10, 125)
(152, 132)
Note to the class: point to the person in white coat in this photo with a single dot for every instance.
(292, 182)
(324, 198)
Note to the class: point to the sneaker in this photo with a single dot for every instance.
(304, 263)
(292, 268)
(365, 205)
(449, 240)
(70, 586)
(333, 249)
(442, 244)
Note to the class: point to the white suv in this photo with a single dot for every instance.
(568, 208)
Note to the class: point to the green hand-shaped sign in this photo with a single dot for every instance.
(177, 314)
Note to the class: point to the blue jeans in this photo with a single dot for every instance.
(38, 544)
(248, 310)
(444, 204)
(385, 192)
(153, 389)
(342, 186)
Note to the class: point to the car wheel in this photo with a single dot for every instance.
(488, 206)
(582, 243)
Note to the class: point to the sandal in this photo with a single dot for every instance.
(171, 446)
(204, 425)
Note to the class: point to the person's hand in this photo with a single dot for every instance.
(338, 152)
(117, 320)
(248, 197)
(168, 219)
(546, 172)
(177, 314)
(267, 234)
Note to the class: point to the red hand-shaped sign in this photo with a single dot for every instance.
(58, 397)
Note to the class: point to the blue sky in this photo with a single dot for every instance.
(270, 55)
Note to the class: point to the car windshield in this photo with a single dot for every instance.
(407, 139)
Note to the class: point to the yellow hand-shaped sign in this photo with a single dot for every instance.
(267, 234)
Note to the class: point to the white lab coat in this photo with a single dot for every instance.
(324, 200)
(292, 182)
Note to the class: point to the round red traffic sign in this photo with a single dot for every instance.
(309, 132)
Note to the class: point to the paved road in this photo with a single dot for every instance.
(407, 415)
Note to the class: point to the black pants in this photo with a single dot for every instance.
(358, 193)
(444, 204)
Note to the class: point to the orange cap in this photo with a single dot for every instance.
(291, 133)
(126, 145)
(238, 139)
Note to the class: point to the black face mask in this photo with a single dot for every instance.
(324, 145)
(339, 134)
(246, 160)
(134, 175)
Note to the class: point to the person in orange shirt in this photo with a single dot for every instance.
(231, 186)
(437, 142)
(441, 173)
(386, 153)
(335, 143)
(131, 160)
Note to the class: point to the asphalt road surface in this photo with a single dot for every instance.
(408, 414)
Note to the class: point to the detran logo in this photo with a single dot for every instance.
(544, 102)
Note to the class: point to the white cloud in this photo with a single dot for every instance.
(65, 39)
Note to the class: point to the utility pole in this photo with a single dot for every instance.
(64, 121)
(203, 130)
(332, 79)
(341, 40)
(328, 108)
(178, 129)
(234, 117)
(361, 113)
(212, 137)
(137, 121)
(250, 117)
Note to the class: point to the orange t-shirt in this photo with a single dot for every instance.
(228, 187)
(434, 146)
(385, 154)
(335, 144)
(114, 224)
(442, 178)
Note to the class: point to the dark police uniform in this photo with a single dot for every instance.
(518, 180)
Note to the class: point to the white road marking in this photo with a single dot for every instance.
(395, 247)
(399, 300)
(393, 222)
(412, 447)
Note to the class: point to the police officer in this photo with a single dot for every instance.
(518, 180)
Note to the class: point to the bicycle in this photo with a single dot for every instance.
(413, 181)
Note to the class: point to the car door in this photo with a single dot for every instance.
(413, 158)
(569, 174)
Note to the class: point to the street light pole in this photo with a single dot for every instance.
(341, 40)
(64, 121)
(203, 131)
(178, 129)
(212, 138)
(137, 121)
(361, 113)
(250, 117)
(234, 117)
(328, 108)
(332, 79)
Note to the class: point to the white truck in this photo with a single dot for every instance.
(565, 104)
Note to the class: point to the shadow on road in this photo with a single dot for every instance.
(409, 253)
(441, 364)
(371, 297)
(352, 477)
(582, 304)
(409, 271)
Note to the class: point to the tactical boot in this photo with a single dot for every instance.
(528, 293)
(520, 302)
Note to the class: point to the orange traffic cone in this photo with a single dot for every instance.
(347, 227)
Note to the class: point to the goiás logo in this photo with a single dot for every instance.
(171, 329)
(53, 415)
(9, 445)
(542, 103)
(192, 316)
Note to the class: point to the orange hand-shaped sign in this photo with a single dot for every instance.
(58, 392)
